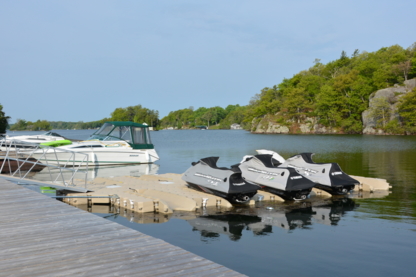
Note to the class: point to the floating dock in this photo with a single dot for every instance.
(166, 193)
(44, 237)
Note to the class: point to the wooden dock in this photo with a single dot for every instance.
(41, 236)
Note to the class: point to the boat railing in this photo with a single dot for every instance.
(17, 160)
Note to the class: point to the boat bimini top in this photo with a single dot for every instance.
(135, 134)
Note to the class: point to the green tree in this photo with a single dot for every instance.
(41, 125)
(329, 106)
(381, 111)
(295, 105)
(20, 125)
(407, 111)
(4, 121)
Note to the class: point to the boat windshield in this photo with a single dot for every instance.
(120, 132)
(137, 137)
(51, 134)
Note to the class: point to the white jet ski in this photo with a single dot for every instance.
(326, 176)
(284, 182)
(221, 181)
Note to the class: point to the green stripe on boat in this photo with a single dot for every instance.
(56, 143)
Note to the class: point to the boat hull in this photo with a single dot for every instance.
(10, 166)
(95, 157)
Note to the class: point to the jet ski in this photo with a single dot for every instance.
(284, 182)
(224, 182)
(326, 176)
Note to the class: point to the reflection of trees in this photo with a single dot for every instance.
(398, 168)
(394, 161)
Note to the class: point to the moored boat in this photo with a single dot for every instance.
(28, 141)
(116, 142)
(326, 176)
(10, 165)
(225, 182)
(284, 182)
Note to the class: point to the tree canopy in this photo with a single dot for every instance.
(4, 121)
(337, 92)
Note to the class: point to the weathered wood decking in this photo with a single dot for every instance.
(43, 237)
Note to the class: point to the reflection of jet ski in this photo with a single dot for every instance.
(285, 182)
(221, 181)
(291, 219)
(331, 214)
(232, 225)
(327, 176)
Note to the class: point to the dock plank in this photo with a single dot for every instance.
(45, 237)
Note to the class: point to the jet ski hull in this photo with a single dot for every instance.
(231, 197)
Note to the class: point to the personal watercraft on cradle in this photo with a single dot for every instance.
(221, 181)
(326, 176)
(284, 182)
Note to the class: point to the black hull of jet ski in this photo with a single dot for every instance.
(336, 190)
(224, 182)
(234, 198)
(288, 195)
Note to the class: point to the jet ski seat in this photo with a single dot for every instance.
(267, 160)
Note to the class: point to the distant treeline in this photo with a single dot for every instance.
(133, 113)
(190, 118)
(335, 93)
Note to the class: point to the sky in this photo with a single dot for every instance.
(80, 60)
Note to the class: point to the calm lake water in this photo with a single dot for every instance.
(355, 236)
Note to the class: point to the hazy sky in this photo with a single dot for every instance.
(79, 60)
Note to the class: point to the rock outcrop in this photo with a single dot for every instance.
(270, 124)
(391, 96)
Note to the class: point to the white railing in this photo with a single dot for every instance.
(22, 159)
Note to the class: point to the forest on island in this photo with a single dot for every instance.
(338, 92)
(335, 93)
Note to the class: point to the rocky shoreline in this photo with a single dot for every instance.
(270, 123)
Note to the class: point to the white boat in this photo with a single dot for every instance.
(116, 142)
(29, 141)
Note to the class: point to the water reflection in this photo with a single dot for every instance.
(264, 218)
(259, 219)
(331, 214)
(135, 170)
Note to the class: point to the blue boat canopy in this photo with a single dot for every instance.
(135, 134)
